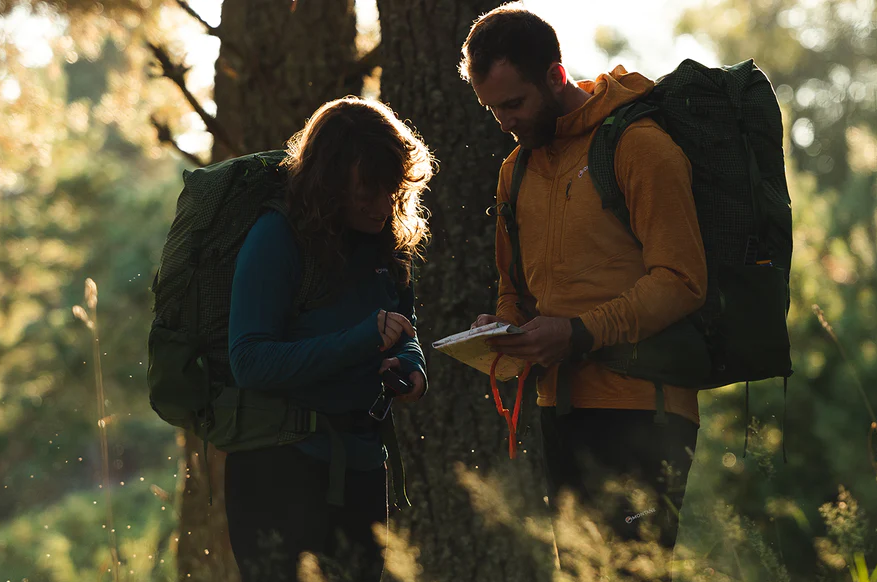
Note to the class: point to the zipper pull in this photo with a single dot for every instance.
(568, 186)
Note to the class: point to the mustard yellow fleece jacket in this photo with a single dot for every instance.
(579, 260)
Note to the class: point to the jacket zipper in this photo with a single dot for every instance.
(563, 219)
(549, 243)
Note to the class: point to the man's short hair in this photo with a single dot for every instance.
(519, 36)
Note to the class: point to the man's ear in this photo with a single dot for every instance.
(556, 77)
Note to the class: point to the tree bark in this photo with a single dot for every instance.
(278, 62)
(456, 429)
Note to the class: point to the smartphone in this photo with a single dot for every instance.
(394, 382)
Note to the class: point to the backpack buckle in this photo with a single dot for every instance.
(505, 210)
(297, 424)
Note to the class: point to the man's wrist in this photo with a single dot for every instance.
(581, 341)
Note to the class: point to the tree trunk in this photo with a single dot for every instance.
(278, 61)
(455, 430)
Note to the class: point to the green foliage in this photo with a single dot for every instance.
(79, 199)
(66, 541)
(85, 193)
(860, 573)
(816, 56)
(819, 55)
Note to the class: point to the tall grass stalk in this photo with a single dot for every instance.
(872, 430)
(89, 317)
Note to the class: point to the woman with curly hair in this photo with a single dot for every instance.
(355, 179)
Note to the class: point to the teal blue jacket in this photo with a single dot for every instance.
(327, 358)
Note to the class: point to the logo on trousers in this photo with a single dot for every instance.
(630, 518)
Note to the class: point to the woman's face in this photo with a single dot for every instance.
(365, 211)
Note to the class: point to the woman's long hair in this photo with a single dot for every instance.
(388, 158)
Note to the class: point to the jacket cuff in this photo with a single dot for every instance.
(581, 341)
(408, 366)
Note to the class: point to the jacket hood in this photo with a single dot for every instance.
(608, 92)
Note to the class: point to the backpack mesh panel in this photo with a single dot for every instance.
(223, 200)
(699, 112)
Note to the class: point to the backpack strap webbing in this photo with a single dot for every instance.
(660, 408)
(394, 461)
(304, 421)
(509, 214)
(334, 425)
(307, 283)
(321, 422)
(601, 167)
(307, 258)
(601, 159)
(337, 461)
(191, 301)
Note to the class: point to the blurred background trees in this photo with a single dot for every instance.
(820, 58)
(95, 128)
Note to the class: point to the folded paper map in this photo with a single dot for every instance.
(470, 347)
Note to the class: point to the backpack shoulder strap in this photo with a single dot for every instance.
(277, 203)
(601, 158)
(508, 212)
(518, 176)
(307, 283)
(307, 259)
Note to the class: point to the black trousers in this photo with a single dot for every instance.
(276, 508)
(589, 447)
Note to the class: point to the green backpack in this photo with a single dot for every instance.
(191, 385)
(728, 123)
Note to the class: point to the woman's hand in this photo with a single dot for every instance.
(392, 325)
(418, 381)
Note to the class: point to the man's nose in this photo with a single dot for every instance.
(507, 123)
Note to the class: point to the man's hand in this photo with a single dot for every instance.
(545, 341)
(484, 319)
(417, 379)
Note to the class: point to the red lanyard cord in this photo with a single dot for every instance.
(510, 418)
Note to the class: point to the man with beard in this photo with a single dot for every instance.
(588, 282)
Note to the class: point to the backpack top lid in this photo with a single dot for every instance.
(212, 184)
(736, 154)
(691, 76)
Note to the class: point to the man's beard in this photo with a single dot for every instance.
(544, 124)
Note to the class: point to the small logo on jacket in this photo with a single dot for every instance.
(382, 270)
(582, 171)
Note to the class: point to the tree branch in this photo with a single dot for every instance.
(191, 12)
(211, 30)
(165, 136)
(177, 73)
